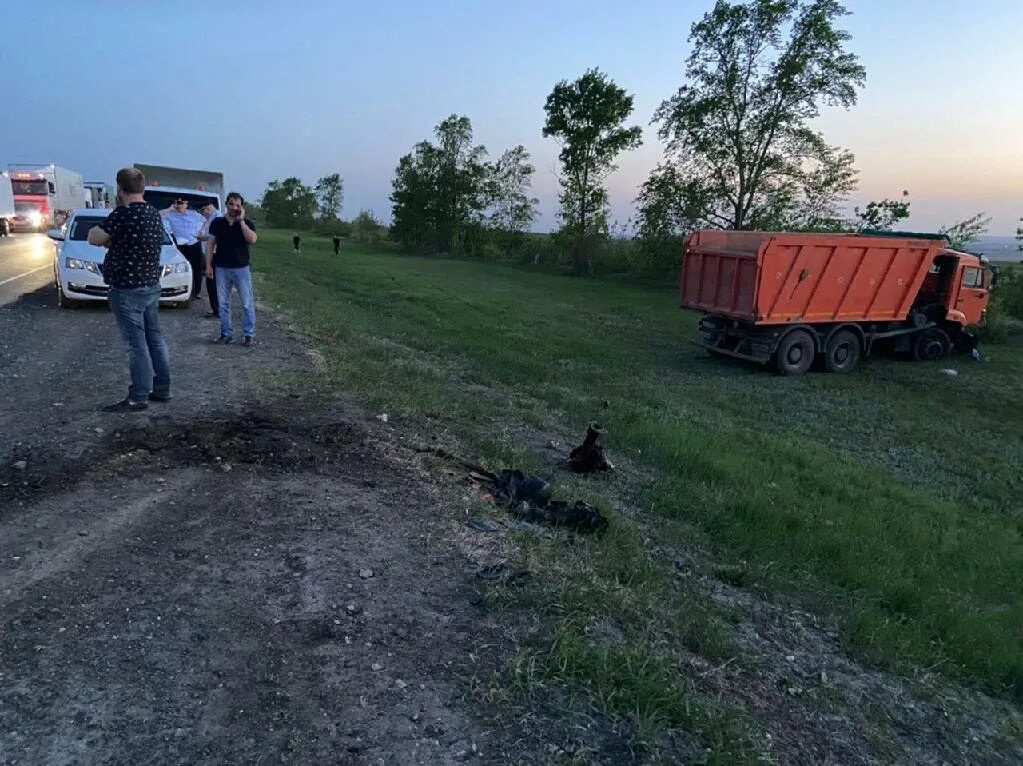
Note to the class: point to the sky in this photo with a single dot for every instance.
(263, 90)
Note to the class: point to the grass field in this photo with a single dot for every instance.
(890, 497)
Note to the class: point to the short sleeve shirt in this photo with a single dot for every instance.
(136, 238)
(232, 251)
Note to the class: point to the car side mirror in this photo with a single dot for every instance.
(55, 234)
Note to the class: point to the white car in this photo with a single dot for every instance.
(78, 266)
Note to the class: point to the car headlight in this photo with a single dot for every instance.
(35, 218)
(78, 263)
(175, 268)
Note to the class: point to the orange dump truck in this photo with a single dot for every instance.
(791, 298)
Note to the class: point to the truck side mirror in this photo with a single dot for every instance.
(55, 234)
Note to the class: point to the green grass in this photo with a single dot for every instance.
(890, 497)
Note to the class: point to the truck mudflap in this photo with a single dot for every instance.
(721, 337)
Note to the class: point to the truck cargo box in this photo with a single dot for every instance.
(769, 278)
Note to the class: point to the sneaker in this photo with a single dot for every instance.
(248, 340)
(224, 339)
(211, 315)
(126, 405)
(159, 397)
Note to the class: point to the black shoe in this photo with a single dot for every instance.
(224, 339)
(159, 397)
(248, 340)
(126, 405)
(211, 315)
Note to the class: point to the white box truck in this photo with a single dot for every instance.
(6, 205)
(166, 184)
(44, 195)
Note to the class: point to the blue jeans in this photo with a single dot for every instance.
(241, 280)
(138, 315)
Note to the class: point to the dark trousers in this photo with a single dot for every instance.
(211, 293)
(193, 253)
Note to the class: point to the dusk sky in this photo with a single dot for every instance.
(263, 90)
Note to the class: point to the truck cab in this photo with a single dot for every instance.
(956, 289)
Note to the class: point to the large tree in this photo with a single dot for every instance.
(587, 118)
(330, 195)
(438, 189)
(510, 208)
(445, 195)
(289, 204)
(740, 150)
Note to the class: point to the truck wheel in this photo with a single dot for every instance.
(931, 345)
(795, 353)
(844, 352)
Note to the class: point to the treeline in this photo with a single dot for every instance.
(740, 153)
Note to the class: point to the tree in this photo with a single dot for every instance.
(1019, 235)
(439, 189)
(510, 208)
(330, 196)
(366, 227)
(962, 233)
(461, 173)
(586, 117)
(413, 197)
(881, 215)
(289, 204)
(738, 131)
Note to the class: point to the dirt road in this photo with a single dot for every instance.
(222, 579)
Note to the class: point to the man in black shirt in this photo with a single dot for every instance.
(228, 251)
(133, 235)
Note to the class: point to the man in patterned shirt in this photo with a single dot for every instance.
(133, 236)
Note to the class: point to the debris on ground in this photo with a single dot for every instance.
(950, 371)
(529, 499)
(382, 417)
(589, 456)
(482, 525)
(502, 573)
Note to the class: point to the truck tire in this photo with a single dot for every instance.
(931, 345)
(843, 353)
(795, 353)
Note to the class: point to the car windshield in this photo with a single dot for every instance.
(80, 229)
(29, 187)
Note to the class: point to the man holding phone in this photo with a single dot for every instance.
(227, 260)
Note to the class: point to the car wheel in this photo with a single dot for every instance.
(795, 353)
(843, 353)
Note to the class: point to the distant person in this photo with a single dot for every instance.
(133, 236)
(185, 225)
(227, 257)
(209, 212)
(337, 245)
(296, 242)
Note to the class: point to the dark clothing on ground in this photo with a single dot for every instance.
(136, 237)
(232, 251)
(193, 254)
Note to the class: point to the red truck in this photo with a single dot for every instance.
(788, 299)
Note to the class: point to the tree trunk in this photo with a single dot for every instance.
(582, 257)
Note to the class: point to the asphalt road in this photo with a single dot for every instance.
(26, 265)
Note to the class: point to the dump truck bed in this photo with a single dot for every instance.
(777, 278)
